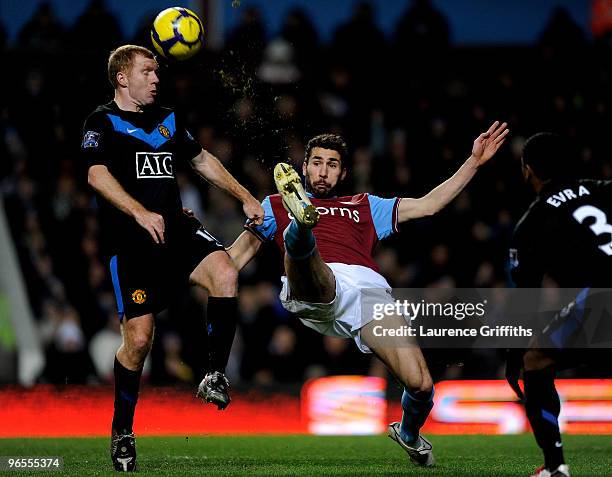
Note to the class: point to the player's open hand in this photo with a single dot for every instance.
(487, 144)
(152, 223)
(254, 211)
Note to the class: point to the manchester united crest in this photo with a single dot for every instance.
(164, 131)
(139, 297)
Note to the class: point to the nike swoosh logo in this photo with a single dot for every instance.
(125, 462)
(130, 131)
(558, 444)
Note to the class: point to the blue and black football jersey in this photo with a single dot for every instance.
(141, 150)
(566, 234)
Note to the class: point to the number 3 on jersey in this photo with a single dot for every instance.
(600, 226)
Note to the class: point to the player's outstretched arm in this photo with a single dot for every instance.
(244, 249)
(211, 169)
(108, 187)
(485, 147)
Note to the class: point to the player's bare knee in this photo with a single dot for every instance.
(199, 276)
(230, 275)
(138, 346)
(217, 274)
(426, 386)
(419, 385)
(416, 381)
(225, 281)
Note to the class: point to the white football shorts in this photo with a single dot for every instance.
(342, 317)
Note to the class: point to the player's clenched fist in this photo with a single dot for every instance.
(253, 210)
(152, 223)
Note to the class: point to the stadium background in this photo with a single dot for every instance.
(409, 87)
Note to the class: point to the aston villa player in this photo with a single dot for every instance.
(328, 243)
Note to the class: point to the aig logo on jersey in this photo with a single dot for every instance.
(154, 165)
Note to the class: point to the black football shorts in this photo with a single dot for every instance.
(581, 333)
(146, 279)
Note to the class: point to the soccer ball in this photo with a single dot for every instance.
(177, 33)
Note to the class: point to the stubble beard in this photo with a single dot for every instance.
(331, 192)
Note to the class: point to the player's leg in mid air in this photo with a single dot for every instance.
(219, 276)
(404, 359)
(310, 279)
(542, 406)
(137, 335)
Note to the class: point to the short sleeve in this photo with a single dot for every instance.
(524, 261)
(266, 231)
(95, 140)
(384, 215)
(187, 146)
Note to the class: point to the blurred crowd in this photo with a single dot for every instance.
(409, 105)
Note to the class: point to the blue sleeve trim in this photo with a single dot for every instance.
(395, 223)
(384, 215)
(266, 231)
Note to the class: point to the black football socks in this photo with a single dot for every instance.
(127, 384)
(221, 317)
(543, 406)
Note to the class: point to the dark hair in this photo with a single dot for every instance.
(122, 60)
(550, 156)
(329, 141)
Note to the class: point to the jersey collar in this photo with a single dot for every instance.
(311, 196)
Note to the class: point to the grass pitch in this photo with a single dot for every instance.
(314, 456)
